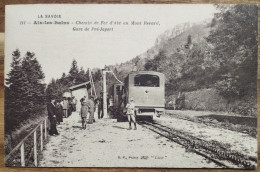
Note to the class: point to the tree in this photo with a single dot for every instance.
(34, 86)
(234, 38)
(97, 76)
(14, 92)
(55, 90)
(15, 72)
(63, 75)
(73, 73)
(26, 90)
(157, 63)
(189, 42)
(74, 68)
(82, 76)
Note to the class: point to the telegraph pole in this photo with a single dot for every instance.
(104, 72)
(89, 75)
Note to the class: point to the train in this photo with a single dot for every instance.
(147, 88)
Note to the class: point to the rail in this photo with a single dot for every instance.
(21, 144)
(211, 150)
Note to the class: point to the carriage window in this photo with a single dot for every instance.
(146, 81)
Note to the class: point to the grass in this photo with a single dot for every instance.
(14, 137)
(14, 160)
(211, 100)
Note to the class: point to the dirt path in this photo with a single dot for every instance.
(109, 144)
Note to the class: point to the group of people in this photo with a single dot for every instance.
(68, 105)
(89, 107)
(57, 110)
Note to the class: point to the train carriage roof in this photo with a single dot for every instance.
(147, 72)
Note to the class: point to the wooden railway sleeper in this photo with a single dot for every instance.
(184, 141)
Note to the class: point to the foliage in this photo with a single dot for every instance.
(76, 76)
(157, 63)
(25, 91)
(234, 38)
(225, 59)
(74, 68)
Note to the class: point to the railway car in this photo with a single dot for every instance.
(147, 88)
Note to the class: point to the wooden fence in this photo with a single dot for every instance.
(21, 145)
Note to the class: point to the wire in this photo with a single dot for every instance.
(116, 78)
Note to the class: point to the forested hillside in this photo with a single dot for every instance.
(220, 54)
(211, 65)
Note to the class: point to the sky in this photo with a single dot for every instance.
(56, 45)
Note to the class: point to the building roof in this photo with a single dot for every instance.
(85, 84)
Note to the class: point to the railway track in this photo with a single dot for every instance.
(211, 150)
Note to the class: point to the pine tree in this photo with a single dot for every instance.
(82, 76)
(63, 75)
(33, 87)
(55, 90)
(97, 75)
(15, 82)
(25, 95)
(74, 68)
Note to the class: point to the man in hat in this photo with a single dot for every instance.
(52, 117)
(82, 99)
(130, 111)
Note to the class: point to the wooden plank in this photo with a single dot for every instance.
(41, 138)
(45, 129)
(35, 148)
(22, 155)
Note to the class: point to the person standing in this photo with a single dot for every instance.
(130, 111)
(91, 109)
(59, 112)
(83, 113)
(96, 102)
(74, 103)
(65, 107)
(70, 106)
(52, 117)
(100, 107)
(82, 99)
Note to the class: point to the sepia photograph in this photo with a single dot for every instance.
(131, 85)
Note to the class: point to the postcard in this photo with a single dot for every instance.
(133, 85)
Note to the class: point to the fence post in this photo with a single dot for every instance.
(41, 137)
(35, 147)
(22, 155)
(45, 127)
